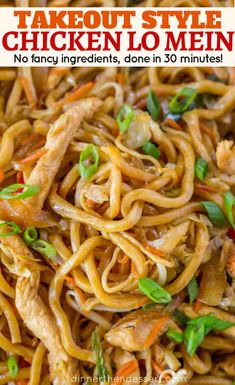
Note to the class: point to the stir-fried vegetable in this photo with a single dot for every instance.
(199, 327)
(201, 169)
(153, 105)
(192, 290)
(182, 100)
(151, 149)
(154, 291)
(139, 130)
(175, 336)
(12, 366)
(99, 356)
(125, 117)
(15, 229)
(19, 191)
(229, 202)
(44, 248)
(180, 317)
(215, 214)
(30, 235)
(88, 161)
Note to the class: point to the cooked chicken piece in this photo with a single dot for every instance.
(122, 358)
(132, 332)
(58, 139)
(228, 365)
(225, 156)
(40, 320)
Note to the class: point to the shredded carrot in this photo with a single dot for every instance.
(92, 204)
(37, 145)
(155, 331)
(197, 305)
(28, 91)
(141, 104)
(125, 371)
(79, 292)
(29, 138)
(208, 131)
(33, 157)
(76, 94)
(172, 123)
(199, 188)
(134, 270)
(155, 251)
(2, 176)
(121, 79)
(22, 382)
(115, 129)
(123, 259)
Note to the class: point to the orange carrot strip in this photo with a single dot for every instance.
(76, 94)
(125, 371)
(22, 382)
(76, 288)
(33, 157)
(92, 204)
(134, 270)
(121, 79)
(155, 331)
(155, 251)
(172, 123)
(2, 176)
(37, 145)
(203, 188)
(29, 138)
(28, 91)
(141, 104)
(197, 305)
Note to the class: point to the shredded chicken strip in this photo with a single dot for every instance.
(58, 139)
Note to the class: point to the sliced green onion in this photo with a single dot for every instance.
(201, 169)
(229, 202)
(125, 117)
(30, 235)
(153, 105)
(44, 248)
(19, 191)
(15, 229)
(88, 161)
(182, 100)
(175, 336)
(192, 290)
(150, 149)
(154, 291)
(180, 317)
(215, 214)
(199, 327)
(98, 356)
(12, 366)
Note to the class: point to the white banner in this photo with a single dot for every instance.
(117, 37)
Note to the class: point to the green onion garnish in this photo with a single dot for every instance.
(19, 191)
(125, 117)
(12, 366)
(180, 317)
(215, 214)
(150, 149)
(99, 356)
(182, 100)
(44, 248)
(192, 290)
(88, 161)
(229, 202)
(199, 327)
(153, 105)
(30, 235)
(201, 169)
(154, 291)
(15, 229)
(175, 336)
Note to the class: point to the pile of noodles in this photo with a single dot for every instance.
(136, 216)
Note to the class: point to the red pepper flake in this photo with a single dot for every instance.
(231, 233)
